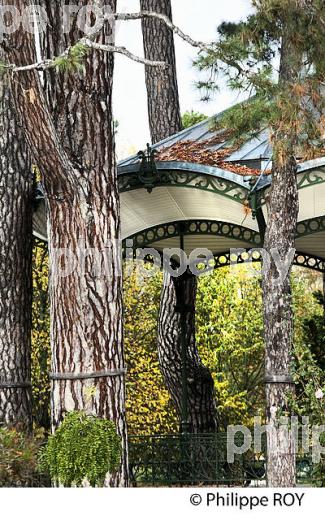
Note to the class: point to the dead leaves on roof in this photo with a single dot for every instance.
(195, 152)
(201, 152)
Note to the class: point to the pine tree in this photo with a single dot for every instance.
(291, 105)
(16, 209)
(181, 366)
(162, 87)
(194, 400)
(83, 213)
(82, 199)
(86, 135)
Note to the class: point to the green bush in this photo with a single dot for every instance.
(19, 460)
(83, 448)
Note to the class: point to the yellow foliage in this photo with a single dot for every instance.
(40, 336)
(148, 405)
(229, 338)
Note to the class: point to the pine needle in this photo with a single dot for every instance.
(73, 61)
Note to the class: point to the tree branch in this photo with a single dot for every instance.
(88, 42)
(158, 16)
(125, 52)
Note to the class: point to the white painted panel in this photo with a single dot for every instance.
(312, 244)
(311, 198)
(141, 210)
(307, 208)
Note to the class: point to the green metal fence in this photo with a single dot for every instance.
(187, 459)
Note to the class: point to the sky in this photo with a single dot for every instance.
(199, 19)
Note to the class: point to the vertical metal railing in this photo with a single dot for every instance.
(189, 459)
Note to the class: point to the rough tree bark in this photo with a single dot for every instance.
(163, 100)
(282, 209)
(84, 215)
(165, 120)
(16, 196)
(200, 403)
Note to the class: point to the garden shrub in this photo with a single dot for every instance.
(19, 459)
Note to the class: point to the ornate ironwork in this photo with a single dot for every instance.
(305, 179)
(195, 227)
(148, 173)
(310, 226)
(229, 258)
(311, 177)
(255, 199)
(190, 459)
(312, 262)
(300, 259)
(170, 230)
(208, 181)
(187, 179)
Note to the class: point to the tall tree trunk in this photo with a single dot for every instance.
(282, 209)
(163, 99)
(84, 217)
(197, 408)
(165, 120)
(16, 197)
